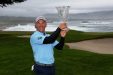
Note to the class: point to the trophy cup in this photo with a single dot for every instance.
(63, 12)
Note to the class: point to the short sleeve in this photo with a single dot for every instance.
(38, 39)
(55, 43)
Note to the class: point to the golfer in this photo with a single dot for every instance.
(43, 44)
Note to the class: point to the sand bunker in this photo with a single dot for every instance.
(103, 46)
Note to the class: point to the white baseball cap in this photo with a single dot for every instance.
(40, 17)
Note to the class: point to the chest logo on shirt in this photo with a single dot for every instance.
(39, 38)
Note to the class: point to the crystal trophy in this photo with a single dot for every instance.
(63, 12)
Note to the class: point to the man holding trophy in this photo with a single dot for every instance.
(42, 44)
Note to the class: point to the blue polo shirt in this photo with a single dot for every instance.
(43, 53)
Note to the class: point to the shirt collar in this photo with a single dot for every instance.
(41, 33)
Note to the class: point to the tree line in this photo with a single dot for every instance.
(4, 3)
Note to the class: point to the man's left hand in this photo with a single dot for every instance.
(64, 32)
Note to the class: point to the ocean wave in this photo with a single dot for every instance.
(96, 22)
(90, 27)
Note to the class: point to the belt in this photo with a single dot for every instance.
(41, 64)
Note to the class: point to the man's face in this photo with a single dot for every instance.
(40, 25)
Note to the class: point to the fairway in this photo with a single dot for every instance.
(16, 56)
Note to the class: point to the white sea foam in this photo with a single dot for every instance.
(28, 27)
(96, 23)
(89, 26)
(20, 28)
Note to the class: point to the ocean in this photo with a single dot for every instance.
(79, 25)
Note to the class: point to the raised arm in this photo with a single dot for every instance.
(54, 35)
(60, 45)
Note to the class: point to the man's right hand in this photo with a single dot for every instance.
(62, 26)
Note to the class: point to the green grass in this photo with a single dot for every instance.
(75, 36)
(16, 56)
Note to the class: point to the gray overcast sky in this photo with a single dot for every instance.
(40, 7)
